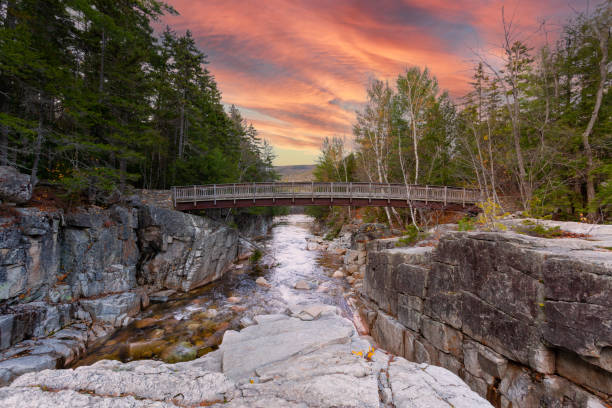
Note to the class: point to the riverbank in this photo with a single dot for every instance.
(69, 278)
(192, 324)
(524, 320)
(315, 359)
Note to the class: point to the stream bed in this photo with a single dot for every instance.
(192, 324)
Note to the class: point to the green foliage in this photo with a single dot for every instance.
(490, 215)
(87, 87)
(539, 230)
(466, 224)
(518, 135)
(411, 236)
(317, 212)
(255, 256)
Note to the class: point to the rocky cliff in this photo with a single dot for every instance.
(525, 321)
(67, 278)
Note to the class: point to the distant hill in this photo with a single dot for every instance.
(296, 173)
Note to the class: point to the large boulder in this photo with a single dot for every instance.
(14, 186)
(183, 251)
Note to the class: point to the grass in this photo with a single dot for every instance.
(538, 230)
(411, 236)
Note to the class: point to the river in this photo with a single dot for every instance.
(195, 322)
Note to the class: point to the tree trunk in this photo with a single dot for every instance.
(603, 73)
(4, 132)
(39, 140)
(103, 51)
(122, 174)
(181, 131)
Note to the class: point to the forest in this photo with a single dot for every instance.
(533, 133)
(94, 100)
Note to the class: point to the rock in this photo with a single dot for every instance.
(238, 309)
(323, 288)
(162, 296)
(234, 299)
(14, 367)
(183, 251)
(183, 351)
(113, 309)
(280, 362)
(302, 285)
(36, 398)
(261, 281)
(14, 186)
(246, 322)
(312, 246)
(350, 280)
(421, 385)
(186, 384)
(29, 254)
(338, 274)
(100, 251)
(312, 311)
(257, 346)
(390, 333)
(148, 322)
(145, 349)
(211, 313)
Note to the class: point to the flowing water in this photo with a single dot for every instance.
(197, 320)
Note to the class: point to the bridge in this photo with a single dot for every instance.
(187, 198)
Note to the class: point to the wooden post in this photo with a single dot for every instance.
(293, 193)
(445, 188)
(312, 190)
(215, 194)
(389, 194)
(350, 187)
(174, 196)
(254, 192)
(234, 192)
(463, 204)
(426, 193)
(370, 194)
(331, 192)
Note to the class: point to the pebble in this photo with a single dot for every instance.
(338, 274)
(302, 285)
(261, 281)
(234, 299)
(238, 309)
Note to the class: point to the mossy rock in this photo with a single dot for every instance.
(183, 351)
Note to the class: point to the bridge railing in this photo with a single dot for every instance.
(242, 191)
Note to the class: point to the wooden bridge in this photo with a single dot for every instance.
(324, 194)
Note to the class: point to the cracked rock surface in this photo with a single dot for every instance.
(281, 361)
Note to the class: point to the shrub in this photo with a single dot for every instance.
(466, 224)
(256, 256)
(411, 236)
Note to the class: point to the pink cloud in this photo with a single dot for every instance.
(303, 65)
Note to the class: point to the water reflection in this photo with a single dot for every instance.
(193, 324)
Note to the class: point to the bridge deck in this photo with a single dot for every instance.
(306, 193)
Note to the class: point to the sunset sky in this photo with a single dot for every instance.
(298, 69)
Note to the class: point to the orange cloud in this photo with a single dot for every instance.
(298, 69)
